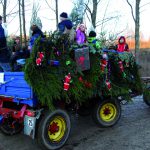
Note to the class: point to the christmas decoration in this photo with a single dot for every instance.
(121, 66)
(108, 84)
(103, 64)
(38, 61)
(53, 62)
(39, 58)
(68, 62)
(67, 82)
(104, 61)
(82, 58)
(90, 75)
(85, 82)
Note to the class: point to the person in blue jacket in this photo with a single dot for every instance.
(36, 32)
(65, 23)
(2, 35)
(4, 51)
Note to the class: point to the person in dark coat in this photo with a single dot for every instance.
(65, 26)
(4, 52)
(65, 23)
(36, 32)
(2, 36)
(19, 52)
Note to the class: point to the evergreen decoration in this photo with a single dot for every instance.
(65, 82)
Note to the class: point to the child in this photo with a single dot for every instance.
(80, 34)
(65, 23)
(93, 41)
(122, 45)
(65, 27)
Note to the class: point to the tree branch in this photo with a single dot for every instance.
(131, 9)
(145, 4)
(87, 16)
(2, 2)
(98, 1)
(88, 8)
(12, 9)
(50, 6)
(105, 20)
(105, 14)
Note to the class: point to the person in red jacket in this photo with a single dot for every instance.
(122, 45)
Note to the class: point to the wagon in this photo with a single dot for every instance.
(20, 110)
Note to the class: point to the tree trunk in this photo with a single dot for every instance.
(20, 23)
(94, 13)
(24, 23)
(4, 11)
(137, 30)
(56, 13)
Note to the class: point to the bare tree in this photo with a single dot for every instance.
(54, 10)
(4, 6)
(56, 13)
(24, 22)
(20, 21)
(136, 19)
(93, 12)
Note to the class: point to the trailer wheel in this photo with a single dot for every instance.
(54, 129)
(107, 113)
(10, 126)
(146, 96)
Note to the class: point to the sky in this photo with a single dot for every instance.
(120, 8)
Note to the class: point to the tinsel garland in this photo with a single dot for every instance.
(58, 67)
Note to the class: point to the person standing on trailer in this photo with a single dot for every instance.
(4, 53)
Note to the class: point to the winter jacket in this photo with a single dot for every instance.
(65, 24)
(121, 47)
(4, 52)
(34, 36)
(94, 42)
(80, 37)
(2, 32)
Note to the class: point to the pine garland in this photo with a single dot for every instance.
(47, 80)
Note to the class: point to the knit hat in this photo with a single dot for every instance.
(92, 34)
(0, 17)
(64, 15)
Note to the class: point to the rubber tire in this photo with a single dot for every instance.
(8, 131)
(43, 141)
(145, 99)
(96, 116)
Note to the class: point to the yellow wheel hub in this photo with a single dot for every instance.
(57, 128)
(108, 112)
